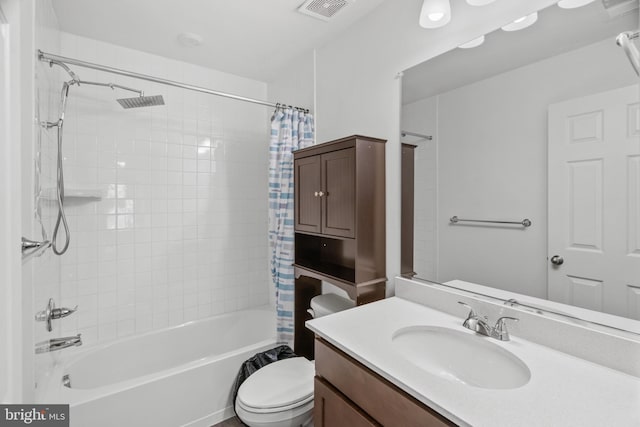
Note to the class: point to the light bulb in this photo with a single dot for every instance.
(435, 13)
(572, 4)
(521, 23)
(479, 2)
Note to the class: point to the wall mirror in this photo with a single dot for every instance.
(541, 124)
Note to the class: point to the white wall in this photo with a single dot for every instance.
(495, 166)
(295, 85)
(357, 85)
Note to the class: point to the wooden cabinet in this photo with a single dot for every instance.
(325, 190)
(366, 397)
(332, 408)
(340, 223)
(340, 214)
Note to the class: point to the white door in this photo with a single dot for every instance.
(594, 202)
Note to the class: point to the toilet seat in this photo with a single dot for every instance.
(279, 394)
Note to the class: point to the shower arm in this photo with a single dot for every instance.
(111, 85)
(76, 80)
(64, 66)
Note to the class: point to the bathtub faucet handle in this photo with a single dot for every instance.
(51, 312)
(59, 313)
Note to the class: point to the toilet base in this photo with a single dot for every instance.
(295, 417)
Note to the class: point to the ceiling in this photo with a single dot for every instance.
(249, 38)
(556, 31)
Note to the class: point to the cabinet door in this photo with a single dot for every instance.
(308, 186)
(331, 409)
(339, 192)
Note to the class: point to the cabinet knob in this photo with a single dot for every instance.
(320, 193)
(315, 194)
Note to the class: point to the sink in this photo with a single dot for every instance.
(461, 357)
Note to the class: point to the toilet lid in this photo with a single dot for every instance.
(281, 383)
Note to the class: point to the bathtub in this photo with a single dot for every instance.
(180, 376)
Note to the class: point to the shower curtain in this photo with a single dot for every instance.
(290, 130)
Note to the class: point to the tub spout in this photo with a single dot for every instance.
(58, 344)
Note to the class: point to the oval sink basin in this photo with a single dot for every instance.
(461, 357)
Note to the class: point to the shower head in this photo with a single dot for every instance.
(141, 101)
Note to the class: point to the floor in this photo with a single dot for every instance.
(231, 422)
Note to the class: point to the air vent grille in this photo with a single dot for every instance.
(322, 9)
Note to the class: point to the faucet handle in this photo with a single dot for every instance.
(472, 312)
(59, 313)
(500, 329)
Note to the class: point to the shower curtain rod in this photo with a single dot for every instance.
(51, 58)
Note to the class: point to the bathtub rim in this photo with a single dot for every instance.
(53, 391)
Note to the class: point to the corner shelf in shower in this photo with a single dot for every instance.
(79, 195)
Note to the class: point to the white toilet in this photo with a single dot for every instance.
(281, 393)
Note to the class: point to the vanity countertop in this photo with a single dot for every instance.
(563, 390)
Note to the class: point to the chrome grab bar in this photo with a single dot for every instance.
(32, 248)
(418, 135)
(525, 222)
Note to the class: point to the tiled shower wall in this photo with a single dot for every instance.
(167, 205)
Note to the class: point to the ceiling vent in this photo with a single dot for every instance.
(619, 7)
(323, 9)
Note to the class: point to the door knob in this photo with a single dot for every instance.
(557, 260)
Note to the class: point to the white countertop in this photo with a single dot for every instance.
(563, 390)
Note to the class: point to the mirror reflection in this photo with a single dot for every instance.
(541, 124)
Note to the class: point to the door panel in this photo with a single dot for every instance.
(594, 202)
(307, 203)
(338, 200)
(585, 209)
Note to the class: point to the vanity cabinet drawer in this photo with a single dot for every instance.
(332, 409)
(381, 400)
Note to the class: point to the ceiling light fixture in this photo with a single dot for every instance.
(435, 13)
(572, 4)
(473, 43)
(521, 23)
(479, 2)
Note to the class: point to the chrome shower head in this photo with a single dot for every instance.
(141, 101)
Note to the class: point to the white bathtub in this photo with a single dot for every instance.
(180, 376)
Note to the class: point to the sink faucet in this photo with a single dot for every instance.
(58, 344)
(480, 325)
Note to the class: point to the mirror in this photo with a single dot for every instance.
(541, 124)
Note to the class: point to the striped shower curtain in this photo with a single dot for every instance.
(290, 130)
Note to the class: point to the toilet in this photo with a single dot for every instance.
(281, 393)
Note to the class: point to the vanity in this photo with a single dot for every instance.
(407, 360)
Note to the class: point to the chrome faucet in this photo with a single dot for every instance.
(51, 313)
(58, 344)
(480, 325)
